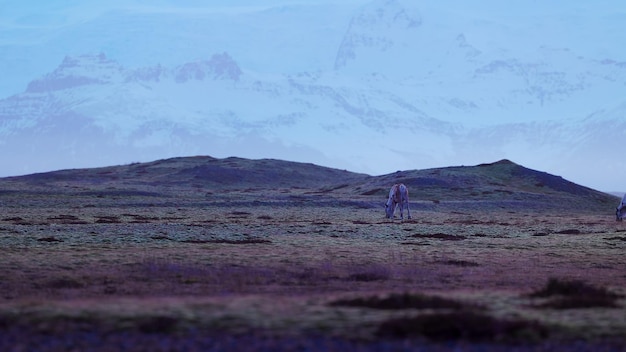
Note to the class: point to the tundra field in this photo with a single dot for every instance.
(221, 254)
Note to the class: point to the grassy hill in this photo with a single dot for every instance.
(503, 181)
(201, 171)
(502, 184)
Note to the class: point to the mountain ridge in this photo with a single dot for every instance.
(499, 184)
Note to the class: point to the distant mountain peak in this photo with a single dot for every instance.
(499, 162)
(82, 70)
(378, 26)
(388, 13)
(70, 62)
(76, 71)
(220, 66)
(470, 51)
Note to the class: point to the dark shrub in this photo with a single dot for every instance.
(572, 294)
(441, 236)
(157, 324)
(49, 239)
(369, 276)
(402, 301)
(226, 241)
(569, 232)
(557, 287)
(461, 263)
(468, 326)
(64, 282)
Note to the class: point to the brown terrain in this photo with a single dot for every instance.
(233, 254)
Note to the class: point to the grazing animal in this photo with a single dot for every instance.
(398, 195)
(618, 210)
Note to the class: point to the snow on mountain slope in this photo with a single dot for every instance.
(442, 66)
(368, 86)
(211, 107)
(286, 36)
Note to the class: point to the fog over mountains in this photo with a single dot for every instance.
(368, 86)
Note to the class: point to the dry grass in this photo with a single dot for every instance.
(155, 265)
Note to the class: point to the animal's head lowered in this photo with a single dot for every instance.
(389, 208)
(618, 214)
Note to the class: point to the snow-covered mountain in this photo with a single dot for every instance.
(378, 87)
(92, 103)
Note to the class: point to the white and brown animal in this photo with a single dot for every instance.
(618, 210)
(398, 196)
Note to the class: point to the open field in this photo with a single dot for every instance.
(96, 266)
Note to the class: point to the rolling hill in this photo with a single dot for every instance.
(499, 185)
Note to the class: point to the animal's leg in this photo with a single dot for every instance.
(401, 210)
(408, 210)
